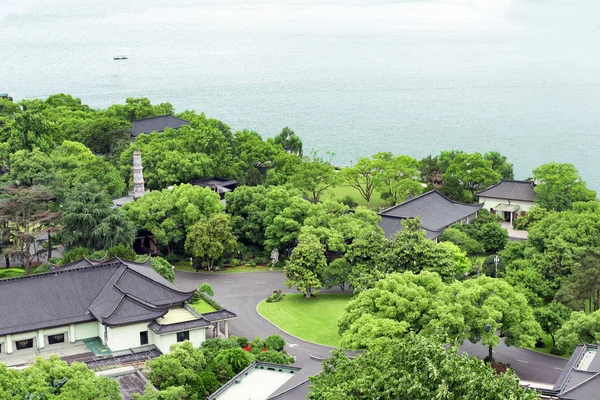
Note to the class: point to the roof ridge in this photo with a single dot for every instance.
(154, 282)
(408, 201)
(426, 194)
(160, 116)
(16, 278)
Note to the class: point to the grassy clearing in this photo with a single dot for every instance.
(203, 307)
(338, 193)
(312, 319)
(6, 273)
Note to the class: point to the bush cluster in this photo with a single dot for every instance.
(275, 297)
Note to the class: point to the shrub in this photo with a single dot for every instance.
(347, 201)
(75, 254)
(121, 251)
(485, 217)
(56, 261)
(97, 255)
(275, 357)
(172, 258)
(274, 342)
(43, 269)
(275, 297)
(206, 288)
(462, 240)
(253, 263)
(234, 262)
(242, 341)
(163, 267)
(237, 358)
(257, 345)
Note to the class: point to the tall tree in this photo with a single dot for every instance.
(169, 213)
(582, 287)
(559, 186)
(579, 328)
(305, 267)
(551, 318)
(27, 213)
(210, 238)
(398, 304)
(289, 141)
(414, 367)
(90, 219)
(472, 171)
(361, 176)
(314, 177)
(492, 309)
(396, 177)
(500, 164)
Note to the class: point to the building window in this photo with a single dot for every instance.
(53, 339)
(24, 344)
(181, 336)
(143, 338)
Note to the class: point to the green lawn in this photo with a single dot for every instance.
(338, 193)
(6, 273)
(203, 307)
(185, 266)
(312, 319)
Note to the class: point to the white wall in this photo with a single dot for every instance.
(165, 341)
(127, 336)
(86, 330)
(493, 202)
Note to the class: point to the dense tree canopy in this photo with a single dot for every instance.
(559, 186)
(413, 368)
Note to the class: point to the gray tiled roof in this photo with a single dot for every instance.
(510, 190)
(177, 327)
(436, 211)
(578, 382)
(156, 124)
(113, 292)
(219, 315)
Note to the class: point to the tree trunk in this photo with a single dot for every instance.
(49, 245)
(553, 341)
(490, 354)
(308, 292)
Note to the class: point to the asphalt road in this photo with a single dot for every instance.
(241, 292)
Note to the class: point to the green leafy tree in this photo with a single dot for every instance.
(527, 278)
(90, 219)
(31, 168)
(492, 236)
(136, 108)
(206, 288)
(336, 273)
(53, 378)
(169, 213)
(532, 216)
(491, 269)
(26, 213)
(472, 172)
(413, 368)
(163, 267)
(500, 164)
(396, 177)
(463, 241)
(559, 186)
(361, 176)
(579, 328)
(246, 206)
(551, 318)
(283, 219)
(314, 177)
(236, 357)
(305, 267)
(492, 309)
(210, 239)
(582, 287)
(398, 304)
(289, 141)
(275, 342)
(275, 357)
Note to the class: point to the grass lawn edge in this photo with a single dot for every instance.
(286, 332)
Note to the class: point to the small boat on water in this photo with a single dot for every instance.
(120, 58)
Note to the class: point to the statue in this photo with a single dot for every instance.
(274, 257)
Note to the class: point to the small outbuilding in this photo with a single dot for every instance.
(218, 185)
(508, 198)
(436, 211)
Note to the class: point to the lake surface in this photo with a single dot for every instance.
(349, 76)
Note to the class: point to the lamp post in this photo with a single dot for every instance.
(496, 262)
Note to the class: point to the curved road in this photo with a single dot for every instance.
(241, 292)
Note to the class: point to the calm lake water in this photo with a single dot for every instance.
(351, 76)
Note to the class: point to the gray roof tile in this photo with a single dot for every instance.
(113, 292)
(156, 124)
(435, 210)
(510, 190)
(177, 327)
